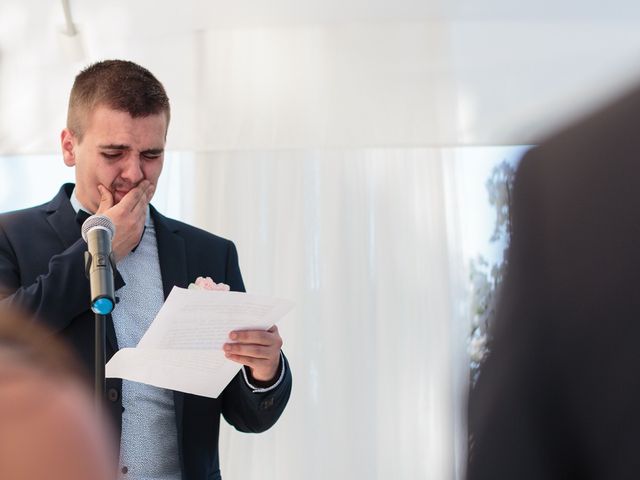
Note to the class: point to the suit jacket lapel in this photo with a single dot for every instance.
(171, 253)
(173, 268)
(62, 218)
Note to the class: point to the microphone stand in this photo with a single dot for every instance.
(100, 386)
(100, 265)
(100, 341)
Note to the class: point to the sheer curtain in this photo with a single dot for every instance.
(360, 239)
(305, 158)
(364, 241)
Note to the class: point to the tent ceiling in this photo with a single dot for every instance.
(199, 14)
(330, 72)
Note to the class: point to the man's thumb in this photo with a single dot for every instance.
(106, 199)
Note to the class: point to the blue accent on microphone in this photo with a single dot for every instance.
(102, 306)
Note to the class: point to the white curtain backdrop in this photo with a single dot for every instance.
(311, 86)
(365, 242)
(361, 241)
(307, 146)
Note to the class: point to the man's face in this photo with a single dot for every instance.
(117, 151)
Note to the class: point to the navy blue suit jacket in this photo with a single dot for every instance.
(42, 271)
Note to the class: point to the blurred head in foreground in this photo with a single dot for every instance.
(49, 428)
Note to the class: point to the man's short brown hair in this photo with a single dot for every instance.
(117, 84)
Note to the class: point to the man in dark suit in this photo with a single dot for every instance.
(115, 138)
(559, 395)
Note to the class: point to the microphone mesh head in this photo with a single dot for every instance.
(98, 221)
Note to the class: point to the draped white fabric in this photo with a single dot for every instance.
(364, 241)
(311, 74)
(358, 238)
(259, 88)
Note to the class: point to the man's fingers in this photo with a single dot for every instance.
(149, 192)
(269, 337)
(252, 351)
(248, 361)
(263, 360)
(137, 197)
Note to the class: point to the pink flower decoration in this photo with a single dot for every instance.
(207, 283)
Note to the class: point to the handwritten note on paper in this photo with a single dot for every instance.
(182, 349)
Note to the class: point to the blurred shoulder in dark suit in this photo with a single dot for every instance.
(559, 394)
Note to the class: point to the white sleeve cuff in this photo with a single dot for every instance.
(255, 389)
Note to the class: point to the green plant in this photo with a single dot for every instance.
(486, 277)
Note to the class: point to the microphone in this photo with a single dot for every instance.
(97, 231)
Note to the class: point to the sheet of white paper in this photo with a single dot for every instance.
(182, 349)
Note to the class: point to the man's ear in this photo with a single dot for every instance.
(68, 142)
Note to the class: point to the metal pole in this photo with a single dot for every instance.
(100, 360)
(68, 20)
